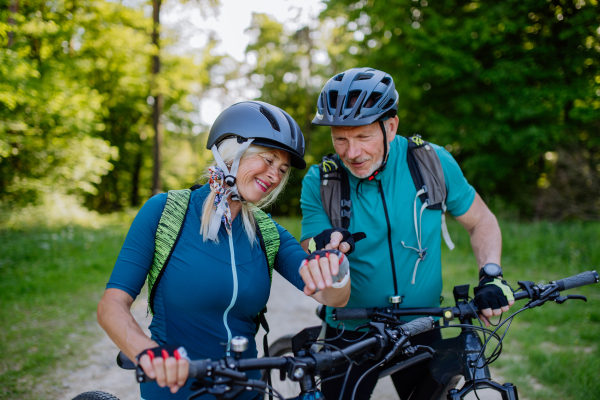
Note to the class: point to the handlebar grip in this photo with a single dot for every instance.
(419, 325)
(140, 375)
(585, 278)
(198, 368)
(352, 313)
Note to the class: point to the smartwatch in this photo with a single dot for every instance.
(492, 270)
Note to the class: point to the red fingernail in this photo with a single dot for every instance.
(328, 255)
(177, 355)
(317, 258)
(150, 354)
(165, 354)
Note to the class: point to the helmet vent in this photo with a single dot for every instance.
(389, 104)
(372, 100)
(333, 94)
(352, 97)
(292, 130)
(338, 77)
(363, 77)
(271, 118)
(386, 81)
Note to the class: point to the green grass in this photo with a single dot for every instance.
(52, 279)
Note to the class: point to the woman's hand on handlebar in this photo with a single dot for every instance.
(167, 365)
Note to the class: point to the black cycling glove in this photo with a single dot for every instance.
(493, 293)
(323, 238)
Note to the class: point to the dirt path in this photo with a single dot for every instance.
(289, 311)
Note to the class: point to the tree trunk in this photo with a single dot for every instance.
(13, 9)
(157, 107)
(135, 179)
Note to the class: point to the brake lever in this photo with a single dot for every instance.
(562, 299)
(426, 349)
(199, 393)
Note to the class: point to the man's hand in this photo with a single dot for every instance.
(336, 243)
(493, 296)
(337, 239)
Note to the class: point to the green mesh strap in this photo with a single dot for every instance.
(270, 236)
(167, 234)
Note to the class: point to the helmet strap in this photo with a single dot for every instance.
(385, 155)
(229, 177)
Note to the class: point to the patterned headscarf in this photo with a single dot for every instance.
(216, 184)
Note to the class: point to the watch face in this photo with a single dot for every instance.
(492, 270)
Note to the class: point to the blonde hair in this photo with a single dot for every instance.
(228, 150)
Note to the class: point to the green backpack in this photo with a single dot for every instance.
(169, 230)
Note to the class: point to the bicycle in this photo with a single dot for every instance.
(448, 359)
(454, 358)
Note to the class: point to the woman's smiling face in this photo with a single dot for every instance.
(259, 175)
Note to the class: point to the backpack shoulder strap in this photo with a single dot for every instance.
(335, 191)
(167, 235)
(428, 176)
(427, 172)
(268, 237)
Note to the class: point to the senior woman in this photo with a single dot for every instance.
(216, 280)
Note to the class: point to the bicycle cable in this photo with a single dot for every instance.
(497, 350)
(330, 378)
(345, 381)
(317, 342)
(273, 392)
(361, 378)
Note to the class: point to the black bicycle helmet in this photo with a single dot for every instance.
(357, 97)
(268, 125)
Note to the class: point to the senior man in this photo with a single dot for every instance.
(399, 262)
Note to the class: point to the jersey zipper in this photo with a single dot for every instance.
(387, 219)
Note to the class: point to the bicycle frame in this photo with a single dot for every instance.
(453, 359)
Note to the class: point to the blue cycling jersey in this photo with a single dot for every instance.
(197, 287)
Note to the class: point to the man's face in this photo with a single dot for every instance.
(361, 147)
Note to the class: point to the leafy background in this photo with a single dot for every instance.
(510, 88)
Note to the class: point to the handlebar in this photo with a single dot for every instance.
(469, 310)
(316, 362)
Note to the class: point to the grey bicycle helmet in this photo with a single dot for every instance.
(357, 97)
(268, 125)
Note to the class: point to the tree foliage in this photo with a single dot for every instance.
(509, 87)
(74, 104)
(289, 70)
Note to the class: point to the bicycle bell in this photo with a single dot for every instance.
(239, 344)
(395, 300)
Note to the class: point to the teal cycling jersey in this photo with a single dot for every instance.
(370, 264)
